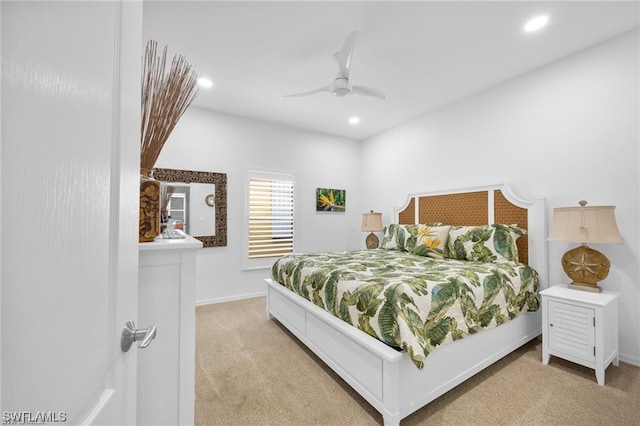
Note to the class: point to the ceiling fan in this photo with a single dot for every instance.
(340, 86)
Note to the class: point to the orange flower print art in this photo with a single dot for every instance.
(332, 200)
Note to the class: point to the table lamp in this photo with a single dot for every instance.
(597, 224)
(372, 222)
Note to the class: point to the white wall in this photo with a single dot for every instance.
(215, 142)
(566, 132)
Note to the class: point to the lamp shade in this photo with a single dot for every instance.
(584, 224)
(371, 222)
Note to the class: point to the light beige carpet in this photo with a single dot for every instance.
(251, 371)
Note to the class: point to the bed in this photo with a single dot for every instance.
(403, 375)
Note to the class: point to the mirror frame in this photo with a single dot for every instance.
(219, 180)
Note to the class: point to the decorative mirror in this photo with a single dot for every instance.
(201, 203)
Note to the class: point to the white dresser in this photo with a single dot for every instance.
(166, 298)
(581, 327)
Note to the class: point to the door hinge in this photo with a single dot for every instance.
(594, 351)
(594, 321)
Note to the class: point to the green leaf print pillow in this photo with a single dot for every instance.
(488, 243)
(390, 239)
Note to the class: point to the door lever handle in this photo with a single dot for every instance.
(130, 334)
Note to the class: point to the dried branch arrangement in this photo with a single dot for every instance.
(164, 99)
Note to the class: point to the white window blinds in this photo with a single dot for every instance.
(271, 208)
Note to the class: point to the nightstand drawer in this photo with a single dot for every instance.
(572, 330)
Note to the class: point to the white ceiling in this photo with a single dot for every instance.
(423, 55)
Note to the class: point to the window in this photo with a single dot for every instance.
(270, 218)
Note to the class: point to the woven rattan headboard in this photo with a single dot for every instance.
(474, 206)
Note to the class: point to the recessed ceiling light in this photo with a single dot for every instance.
(354, 120)
(536, 23)
(205, 82)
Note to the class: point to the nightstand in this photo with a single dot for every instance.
(581, 327)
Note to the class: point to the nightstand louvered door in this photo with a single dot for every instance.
(572, 330)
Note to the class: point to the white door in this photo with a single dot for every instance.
(70, 163)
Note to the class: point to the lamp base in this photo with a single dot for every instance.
(585, 287)
(585, 266)
(372, 241)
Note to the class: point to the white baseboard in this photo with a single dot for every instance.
(230, 298)
(630, 360)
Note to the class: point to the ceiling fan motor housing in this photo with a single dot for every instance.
(340, 87)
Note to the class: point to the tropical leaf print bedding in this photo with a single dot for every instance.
(411, 302)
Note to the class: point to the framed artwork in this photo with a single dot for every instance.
(331, 200)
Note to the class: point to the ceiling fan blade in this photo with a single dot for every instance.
(310, 92)
(367, 91)
(343, 57)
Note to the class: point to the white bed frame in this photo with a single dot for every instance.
(387, 378)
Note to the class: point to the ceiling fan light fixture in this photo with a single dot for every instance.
(536, 23)
(341, 92)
